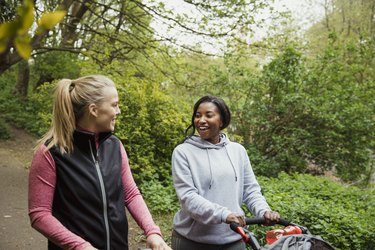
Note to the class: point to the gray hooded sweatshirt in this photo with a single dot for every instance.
(212, 181)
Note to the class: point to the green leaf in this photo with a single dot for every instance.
(50, 19)
(23, 48)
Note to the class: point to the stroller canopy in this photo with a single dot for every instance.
(299, 242)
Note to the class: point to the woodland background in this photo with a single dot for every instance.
(302, 99)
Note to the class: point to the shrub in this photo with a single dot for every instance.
(161, 199)
(4, 130)
(40, 104)
(343, 215)
(150, 126)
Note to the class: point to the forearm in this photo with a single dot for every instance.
(51, 228)
(139, 211)
(134, 200)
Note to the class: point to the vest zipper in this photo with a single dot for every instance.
(102, 188)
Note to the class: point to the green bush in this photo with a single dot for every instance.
(162, 202)
(302, 111)
(161, 199)
(29, 112)
(40, 104)
(150, 126)
(4, 130)
(343, 215)
(261, 164)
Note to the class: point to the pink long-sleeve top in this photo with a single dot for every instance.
(42, 181)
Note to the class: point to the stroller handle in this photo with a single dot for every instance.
(262, 221)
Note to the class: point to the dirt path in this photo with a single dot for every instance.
(16, 233)
(15, 230)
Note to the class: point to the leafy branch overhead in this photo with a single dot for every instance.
(129, 26)
(16, 33)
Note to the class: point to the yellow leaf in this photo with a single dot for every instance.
(23, 48)
(6, 30)
(49, 19)
(26, 13)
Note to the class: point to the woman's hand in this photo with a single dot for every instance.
(236, 218)
(156, 242)
(271, 217)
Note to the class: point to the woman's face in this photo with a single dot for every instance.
(208, 122)
(107, 111)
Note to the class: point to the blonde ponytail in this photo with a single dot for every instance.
(71, 99)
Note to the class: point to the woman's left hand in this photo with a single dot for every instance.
(156, 242)
(236, 218)
(271, 217)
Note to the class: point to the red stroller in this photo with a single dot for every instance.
(292, 237)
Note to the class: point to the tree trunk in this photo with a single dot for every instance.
(43, 79)
(23, 78)
(326, 12)
(372, 20)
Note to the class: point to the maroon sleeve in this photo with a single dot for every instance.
(134, 200)
(42, 180)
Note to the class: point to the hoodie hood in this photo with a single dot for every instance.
(207, 146)
(201, 143)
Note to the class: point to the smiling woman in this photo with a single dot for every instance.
(80, 180)
(213, 178)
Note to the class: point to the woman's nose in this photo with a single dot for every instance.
(202, 120)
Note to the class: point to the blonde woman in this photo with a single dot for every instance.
(80, 181)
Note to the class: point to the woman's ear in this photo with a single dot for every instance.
(93, 110)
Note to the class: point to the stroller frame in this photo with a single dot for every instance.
(250, 239)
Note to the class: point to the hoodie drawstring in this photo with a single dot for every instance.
(209, 164)
(234, 170)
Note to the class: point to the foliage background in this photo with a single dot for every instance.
(303, 107)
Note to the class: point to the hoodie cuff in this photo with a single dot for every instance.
(225, 215)
(262, 212)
